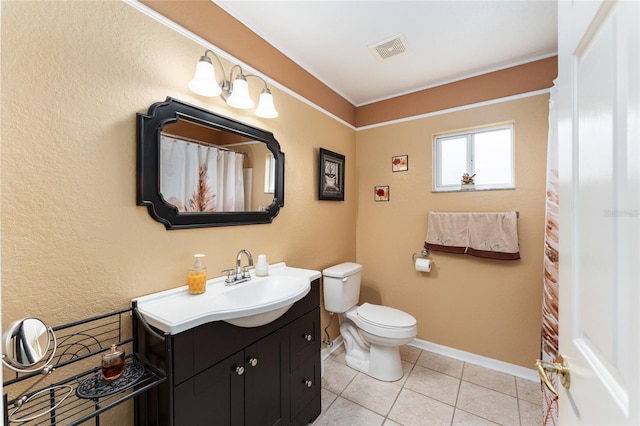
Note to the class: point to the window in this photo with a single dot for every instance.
(485, 154)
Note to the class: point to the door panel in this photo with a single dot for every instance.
(598, 89)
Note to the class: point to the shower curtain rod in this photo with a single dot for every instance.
(199, 142)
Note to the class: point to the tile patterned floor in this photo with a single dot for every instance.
(435, 390)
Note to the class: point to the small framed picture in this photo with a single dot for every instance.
(381, 193)
(400, 163)
(331, 179)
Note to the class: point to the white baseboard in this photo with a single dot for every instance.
(493, 364)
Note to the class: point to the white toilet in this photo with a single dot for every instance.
(372, 333)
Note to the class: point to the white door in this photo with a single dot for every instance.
(599, 167)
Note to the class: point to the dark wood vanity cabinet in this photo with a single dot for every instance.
(220, 374)
(244, 388)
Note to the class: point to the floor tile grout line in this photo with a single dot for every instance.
(476, 415)
(515, 382)
(455, 405)
(398, 396)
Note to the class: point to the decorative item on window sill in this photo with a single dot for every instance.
(467, 180)
(235, 92)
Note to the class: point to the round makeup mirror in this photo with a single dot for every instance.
(27, 343)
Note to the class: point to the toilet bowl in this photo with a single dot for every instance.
(372, 333)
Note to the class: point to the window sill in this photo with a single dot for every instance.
(473, 188)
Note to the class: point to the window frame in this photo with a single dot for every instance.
(470, 134)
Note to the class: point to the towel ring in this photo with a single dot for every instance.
(423, 253)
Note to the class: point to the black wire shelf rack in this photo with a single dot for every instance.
(74, 391)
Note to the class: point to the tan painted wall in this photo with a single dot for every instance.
(487, 307)
(74, 243)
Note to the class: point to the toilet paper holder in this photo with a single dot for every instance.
(423, 253)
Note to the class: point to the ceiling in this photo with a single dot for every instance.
(445, 40)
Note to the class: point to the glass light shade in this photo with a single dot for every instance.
(265, 105)
(204, 81)
(240, 94)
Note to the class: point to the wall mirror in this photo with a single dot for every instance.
(200, 169)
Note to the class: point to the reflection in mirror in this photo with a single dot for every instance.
(26, 343)
(200, 169)
(269, 173)
(207, 170)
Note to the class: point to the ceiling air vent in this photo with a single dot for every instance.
(389, 48)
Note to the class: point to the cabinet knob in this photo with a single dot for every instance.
(253, 362)
(308, 383)
(308, 337)
(239, 370)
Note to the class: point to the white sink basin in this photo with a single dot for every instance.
(253, 303)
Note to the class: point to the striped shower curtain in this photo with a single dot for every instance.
(550, 295)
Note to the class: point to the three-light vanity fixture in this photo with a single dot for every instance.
(235, 92)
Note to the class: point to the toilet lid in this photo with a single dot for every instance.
(384, 316)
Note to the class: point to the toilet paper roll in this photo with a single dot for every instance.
(423, 265)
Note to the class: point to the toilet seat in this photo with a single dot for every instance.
(385, 316)
(383, 321)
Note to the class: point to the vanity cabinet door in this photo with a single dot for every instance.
(266, 370)
(213, 397)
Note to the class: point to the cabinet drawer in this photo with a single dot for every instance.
(304, 338)
(304, 384)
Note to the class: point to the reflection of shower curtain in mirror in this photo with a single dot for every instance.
(198, 178)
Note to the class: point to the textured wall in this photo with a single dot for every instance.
(487, 307)
(74, 243)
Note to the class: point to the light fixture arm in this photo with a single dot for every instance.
(205, 57)
(225, 84)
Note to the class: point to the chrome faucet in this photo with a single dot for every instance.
(241, 273)
(244, 273)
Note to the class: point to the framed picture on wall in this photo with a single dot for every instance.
(400, 163)
(381, 193)
(331, 179)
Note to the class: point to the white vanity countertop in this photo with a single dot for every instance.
(175, 310)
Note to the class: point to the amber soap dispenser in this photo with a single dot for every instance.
(197, 277)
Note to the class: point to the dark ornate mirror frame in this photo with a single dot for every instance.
(149, 127)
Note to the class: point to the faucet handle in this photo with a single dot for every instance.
(231, 275)
(245, 271)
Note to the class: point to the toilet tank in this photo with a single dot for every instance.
(341, 286)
